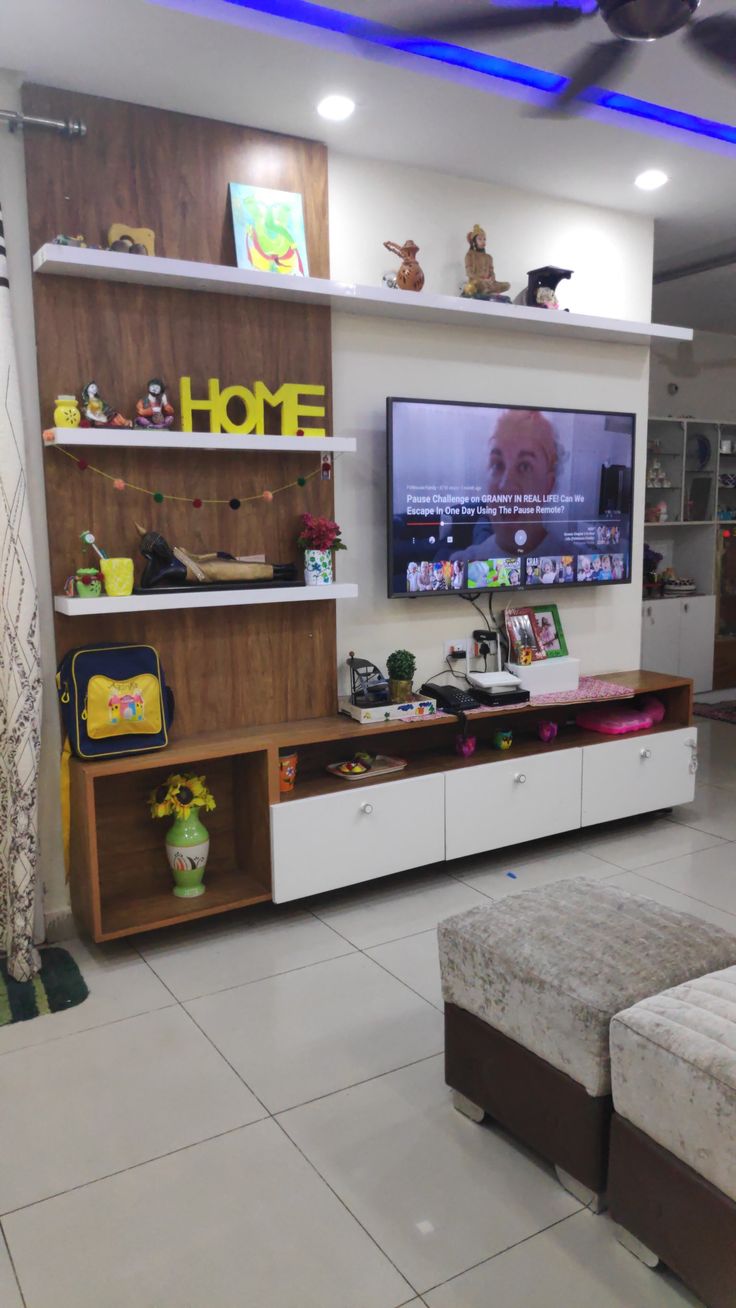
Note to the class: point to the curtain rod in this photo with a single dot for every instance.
(65, 126)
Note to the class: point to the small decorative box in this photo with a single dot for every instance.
(409, 711)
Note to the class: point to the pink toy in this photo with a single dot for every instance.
(653, 706)
(547, 731)
(616, 720)
(465, 746)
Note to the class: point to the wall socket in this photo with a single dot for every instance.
(462, 646)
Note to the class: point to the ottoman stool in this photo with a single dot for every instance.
(672, 1180)
(530, 985)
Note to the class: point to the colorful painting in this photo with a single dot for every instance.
(269, 229)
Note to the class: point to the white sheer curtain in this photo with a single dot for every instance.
(20, 669)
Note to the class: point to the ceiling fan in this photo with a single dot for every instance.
(629, 21)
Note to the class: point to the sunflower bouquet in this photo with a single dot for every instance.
(178, 795)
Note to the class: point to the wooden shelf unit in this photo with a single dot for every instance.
(190, 275)
(159, 601)
(151, 439)
(120, 882)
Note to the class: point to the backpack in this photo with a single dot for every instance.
(114, 700)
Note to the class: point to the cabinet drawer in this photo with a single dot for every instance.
(504, 803)
(624, 777)
(337, 840)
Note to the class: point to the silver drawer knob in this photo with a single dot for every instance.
(646, 753)
(366, 808)
(520, 778)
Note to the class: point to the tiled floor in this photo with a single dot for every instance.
(251, 1113)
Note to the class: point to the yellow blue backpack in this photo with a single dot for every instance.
(114, 700)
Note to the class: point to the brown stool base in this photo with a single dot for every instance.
(541, 1106)
(677, 1214)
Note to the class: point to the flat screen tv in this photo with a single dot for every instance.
(489, 497)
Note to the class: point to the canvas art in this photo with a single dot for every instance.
(269, 229)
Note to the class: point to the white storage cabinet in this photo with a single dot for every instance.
(677, 637)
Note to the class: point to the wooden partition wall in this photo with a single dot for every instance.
(170, 172)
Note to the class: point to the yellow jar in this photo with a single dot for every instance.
(118, 575)
(66, 412)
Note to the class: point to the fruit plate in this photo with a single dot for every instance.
(380, 766)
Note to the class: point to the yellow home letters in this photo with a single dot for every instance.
(289, 398)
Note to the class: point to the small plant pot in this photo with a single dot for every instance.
(318, 569)
(187, 848)
(400, 691)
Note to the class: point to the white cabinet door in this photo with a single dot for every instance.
(359, 834)
(660, 636)
(638, 775)
(697, 640)
(505, 803)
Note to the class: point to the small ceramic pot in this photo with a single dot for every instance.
(88, 582)
(118, 576)
(465, 746)
(287, 772)
(187, 847)
(66, 411)
(400, 691)
(318, 567)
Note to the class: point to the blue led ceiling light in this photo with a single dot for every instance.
(392, 38)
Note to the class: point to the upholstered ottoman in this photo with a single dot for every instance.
(530, 985)
(673, 1139)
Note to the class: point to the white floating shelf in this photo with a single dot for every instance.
(214, 599)
(691, 522)
(194, 440)
(187, 275)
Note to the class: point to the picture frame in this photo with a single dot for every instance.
(268, 227)
(550, 633)
(523, 635)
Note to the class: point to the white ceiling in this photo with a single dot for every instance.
(212, 58)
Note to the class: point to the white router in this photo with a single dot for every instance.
(492, 680)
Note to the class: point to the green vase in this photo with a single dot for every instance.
(187, 847)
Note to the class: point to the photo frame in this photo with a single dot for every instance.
(523, 636)
(549, 630)
(268, 227)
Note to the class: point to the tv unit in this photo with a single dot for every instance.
(494, 497)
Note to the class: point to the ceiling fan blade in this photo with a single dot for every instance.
(469, 22)
(597, 62)
(715, 39)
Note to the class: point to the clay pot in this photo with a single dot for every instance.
(410, 276)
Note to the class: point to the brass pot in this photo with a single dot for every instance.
(400, 691)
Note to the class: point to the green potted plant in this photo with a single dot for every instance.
(183, 796)
(401, 666)
(319, 538)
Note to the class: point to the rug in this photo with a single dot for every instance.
(589, 689)
(723, 712)
(57, 986)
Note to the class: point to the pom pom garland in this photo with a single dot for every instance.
(118, 484)
(158, 497)
(235, 504)
(267, 496)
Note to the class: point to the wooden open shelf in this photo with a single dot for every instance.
(151, 439)
(160, 601)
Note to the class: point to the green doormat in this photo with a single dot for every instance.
(59, 985)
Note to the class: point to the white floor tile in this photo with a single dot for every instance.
(119, 983)
(9, 1292)
(202, 958)
(577, 1264)
(436, 1191)
(414, 960)
(713, 810)
(709, 876)
(395, 907)
(640, 884)
(79, 1108)
(304, 1034)
(511, 871)
(242, 1220)
(716, 753)
(636, 843)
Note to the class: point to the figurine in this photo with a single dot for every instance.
(503, 740)
(154, 409)
(96, 413)
(131, 240)
(410, 276)
(368, 686)
(546, 298)
(547, 731)
(481, 283)
(77, 240)
(546, 278)
(465, 746)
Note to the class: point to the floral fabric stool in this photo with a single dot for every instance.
(673, 1137)
(530, 986)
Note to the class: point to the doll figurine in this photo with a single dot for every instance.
(410, 276)
(96, 413)
(479, 270)
(546, 298)
(154, 410)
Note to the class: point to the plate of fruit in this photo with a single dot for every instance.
(362, 766)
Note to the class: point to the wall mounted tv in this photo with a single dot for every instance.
(487, 497)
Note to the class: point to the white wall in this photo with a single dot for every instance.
(373, 358)
(704, 372)
(13, 197)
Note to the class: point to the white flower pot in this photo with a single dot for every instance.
(318, 567)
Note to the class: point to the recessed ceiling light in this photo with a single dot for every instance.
(336, 107)
(651, 180)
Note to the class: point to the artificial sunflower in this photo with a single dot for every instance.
(179, 794)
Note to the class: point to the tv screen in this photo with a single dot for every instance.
(485, 497)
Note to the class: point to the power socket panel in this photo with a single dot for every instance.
(462, 646)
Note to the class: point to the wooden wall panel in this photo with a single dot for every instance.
(170, 172)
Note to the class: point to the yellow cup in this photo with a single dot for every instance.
(118, 575)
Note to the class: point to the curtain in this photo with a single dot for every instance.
(20, 669)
